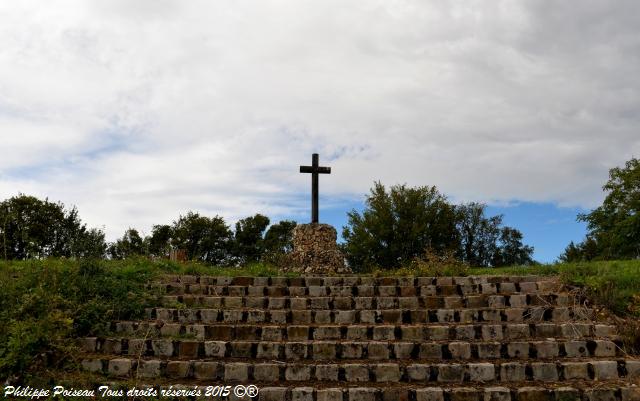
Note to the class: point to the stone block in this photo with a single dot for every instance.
(327, 372)
(298, 333)
(481, 372)
(172, 329)
(514, 314)
(430, 351)
(356, 333)
(269, 350)
(278, 316)
(533, 394)
(575, 370)
(236, 371)
(633, 368)
(302, 394)
(450, 373)
(301, 317)
(271, 333)
(437, 333)
(496, 301)
(576, 349)
(464, 394)
(429, 394)
(296, 350)
(322, 316)
(208, 315)
(384, 333)
(460, 350)
(604, 348)
(418, 372)
(567, 394)
(356, 373)
(513, 372)
(546, 349)
(216, 349)
(162, 347)
(600, 394)
(544, 371)
(204, 370)
(178, 369)
(604, 370)
(516, 331)
(352, 350)
(403, 350)
(329, 394)
(492, 315)
(604, 330)
(496, 394)
(297, 372)
(111, 346)
(453, 302)
(492, 332)
(408, 303)
(326, 333)
(489, 350)
(345, 317)
(465, 332)
(298, 303)
(362, 394)
(630, 394)
(378, 350)
(324, 350)
(446, 315)
(367, 316)
(387, 372)
(188, 349)
(317, 291)
(266, 372)
(518, 350)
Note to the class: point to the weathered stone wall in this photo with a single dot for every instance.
(315, 250)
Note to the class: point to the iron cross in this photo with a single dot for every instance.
(314, 169)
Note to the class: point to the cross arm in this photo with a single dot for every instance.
(319, 170)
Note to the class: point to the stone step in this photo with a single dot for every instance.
(361, 290)
(352, 280)
(300, 346)
(372, 302)
(534, 314)
(606, 391)
(260, 373)
(418, 332)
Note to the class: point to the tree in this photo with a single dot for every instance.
(33, 228)
(249, 243)
(398, 225)
(131, 244)
(279, 237)
(615, 225)
(160, 241)
(205, 239)
(478, 234)
(584, 251)
(511, 251)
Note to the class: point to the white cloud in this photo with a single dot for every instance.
(138, 111)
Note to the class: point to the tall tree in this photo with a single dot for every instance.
(478, 234)
(279, 237)
(160, 241)
(398, 225)
(615, 225)
(207, 239)
(131, 244)
(249, 243)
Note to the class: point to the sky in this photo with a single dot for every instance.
(137, 111)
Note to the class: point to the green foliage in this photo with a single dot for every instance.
(398, 225)
(278, 242)
(249, 243)
(131, 244)
(46, 302)
(205, 239)
(32, 228)
(614, 227)
(159, 242)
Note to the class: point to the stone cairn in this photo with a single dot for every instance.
(315, 250)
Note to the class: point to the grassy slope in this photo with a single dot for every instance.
(46, 303)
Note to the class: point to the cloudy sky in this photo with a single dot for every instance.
(139, 110)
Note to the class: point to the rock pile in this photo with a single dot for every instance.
(315, 250)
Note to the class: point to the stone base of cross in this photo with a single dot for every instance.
(315, 251)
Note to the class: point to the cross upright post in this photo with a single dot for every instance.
(314, 169)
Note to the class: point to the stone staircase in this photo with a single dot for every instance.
(373, 339)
